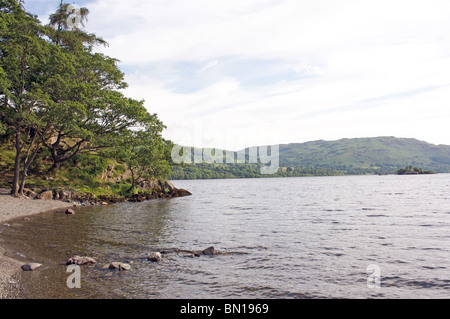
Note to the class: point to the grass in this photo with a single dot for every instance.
(83, 175)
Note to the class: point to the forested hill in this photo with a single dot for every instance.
(382, 152)
(379, 155)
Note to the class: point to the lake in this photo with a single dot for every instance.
(307, 237)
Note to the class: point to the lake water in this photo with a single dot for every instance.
(287, 238)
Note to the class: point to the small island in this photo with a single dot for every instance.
(409, 170)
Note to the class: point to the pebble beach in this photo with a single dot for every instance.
(11, 208)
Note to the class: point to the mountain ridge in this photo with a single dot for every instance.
(367, 152)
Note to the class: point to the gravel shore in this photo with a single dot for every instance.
(11, 208)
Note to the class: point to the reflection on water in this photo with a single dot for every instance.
(296, 238)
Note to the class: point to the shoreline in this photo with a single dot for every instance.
(13, 208)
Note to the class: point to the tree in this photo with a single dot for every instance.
(144, 152)
(86, 107)
(66, 31)
(59, 97)
(75, 128)
(23, 53)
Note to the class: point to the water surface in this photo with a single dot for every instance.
(294, 238)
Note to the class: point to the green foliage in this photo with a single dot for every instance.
(144, 152)
(86, 168)
(221, 171)
(413, 171)
(6, 159)
(24, 52)
(62, 109)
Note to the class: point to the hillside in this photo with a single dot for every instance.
(379, 155)
(381, 152)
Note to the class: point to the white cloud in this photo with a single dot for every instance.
(207, 67)
(306, 69)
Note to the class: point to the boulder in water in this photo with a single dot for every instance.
(118, 266)
(77, 260)
(31, 266)
(70, 212)
(155, 256)
(209, 251)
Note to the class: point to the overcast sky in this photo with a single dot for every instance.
(232, 74)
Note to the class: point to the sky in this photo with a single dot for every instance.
(233, 74)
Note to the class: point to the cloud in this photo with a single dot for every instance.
(207, 67)
(300, 69)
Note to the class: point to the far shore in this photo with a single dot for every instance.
(12, 208)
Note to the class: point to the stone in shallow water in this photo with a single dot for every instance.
(156, 256)
(31, 266)
(209, 251)
(77, 260)
(117, 266)
(124, 266)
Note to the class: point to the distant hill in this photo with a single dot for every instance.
(350, 156)
(387, 152)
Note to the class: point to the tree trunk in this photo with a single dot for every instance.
(64, 156)
(26, 166)
(15, 186)
(54, 169)
(132, 178)
(55, 158)
(22, 182)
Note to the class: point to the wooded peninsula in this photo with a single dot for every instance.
(65, 124)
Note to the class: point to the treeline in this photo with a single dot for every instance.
(221, 171)
(200, 165)
(61, 106)
(409, 170)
